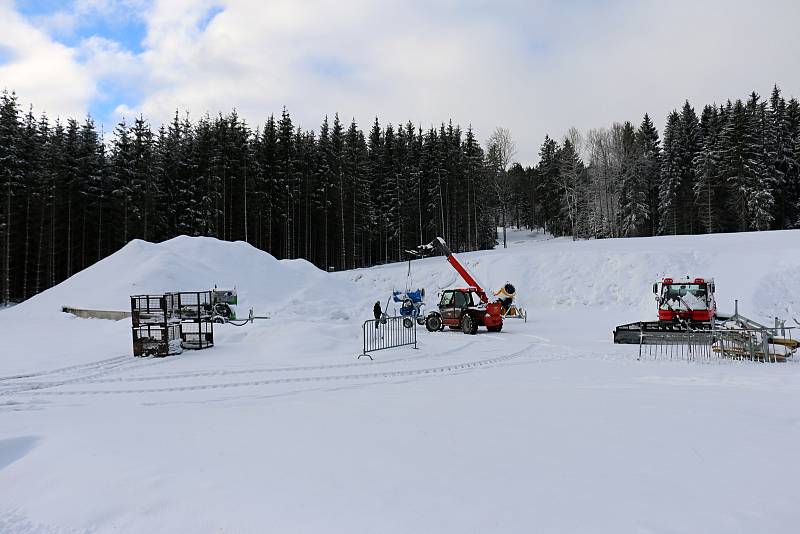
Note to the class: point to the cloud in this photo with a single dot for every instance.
(40, 70)
(534, 67)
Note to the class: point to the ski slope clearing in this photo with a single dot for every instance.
(545, 427)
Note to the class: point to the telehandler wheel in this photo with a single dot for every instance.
(495, 328)
(433, 322)
(469, 325)
(408, 322)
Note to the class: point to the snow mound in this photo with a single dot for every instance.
(181, 264)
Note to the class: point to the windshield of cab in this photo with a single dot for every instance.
(684, 296)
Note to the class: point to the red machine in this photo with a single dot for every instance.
(463, 308)
(684, 305)
(688, 300)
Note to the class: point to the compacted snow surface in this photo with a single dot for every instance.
(545, 427)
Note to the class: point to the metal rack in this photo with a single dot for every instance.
(156, 327)
(196, 311)
(166, 324)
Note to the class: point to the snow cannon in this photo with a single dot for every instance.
(505, 296)
(223, 304)
(410, 304)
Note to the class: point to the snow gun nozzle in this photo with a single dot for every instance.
(437, 245)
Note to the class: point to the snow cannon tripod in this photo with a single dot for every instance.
(462, 308)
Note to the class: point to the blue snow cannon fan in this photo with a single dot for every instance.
(410, 304)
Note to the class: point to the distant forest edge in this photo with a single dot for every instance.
(342, 199)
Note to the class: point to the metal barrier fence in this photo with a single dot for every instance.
(387, 333)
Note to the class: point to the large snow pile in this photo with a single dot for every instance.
(36, 333)
(183, 264)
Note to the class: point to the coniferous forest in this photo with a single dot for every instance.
(342, 198)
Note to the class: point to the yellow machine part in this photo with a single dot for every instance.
(745, 355)
(788, 343)
(502, 293)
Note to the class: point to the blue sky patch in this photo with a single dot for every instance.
(39, 7)
(329, 67)
(122, 24)
(6, 55)
(203, 23)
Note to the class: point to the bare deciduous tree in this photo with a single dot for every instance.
(501, 149)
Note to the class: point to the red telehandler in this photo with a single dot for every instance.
(465, 308)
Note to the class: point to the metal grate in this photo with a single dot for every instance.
(758, 344)
(197, 334)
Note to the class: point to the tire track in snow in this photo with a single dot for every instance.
(299, 368)
(302, 379)
(128, 363)
(83, 366)
(101, 368)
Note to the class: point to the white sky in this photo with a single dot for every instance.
(534, 67)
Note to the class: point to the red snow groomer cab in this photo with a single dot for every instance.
(690, 300)
(684, 305)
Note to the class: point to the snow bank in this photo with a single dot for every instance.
(180, 264)
(760, 269)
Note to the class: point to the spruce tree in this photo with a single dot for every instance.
(707, 180)
(11, 176)
(671, 167)
(691, 141)
(759, 150)
(648, 168)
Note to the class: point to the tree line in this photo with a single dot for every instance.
(736, 167)
(338, 197)
(342, 198)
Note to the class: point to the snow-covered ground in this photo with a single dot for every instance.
(545, 427)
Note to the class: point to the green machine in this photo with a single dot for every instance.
(223, 305)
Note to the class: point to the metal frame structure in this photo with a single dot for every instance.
(166, 324)
(196, 311)
(744, 339)
(156, 327)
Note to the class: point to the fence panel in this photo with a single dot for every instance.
(388, 333)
